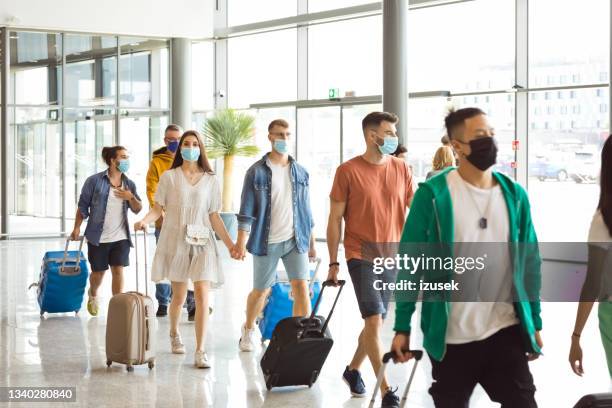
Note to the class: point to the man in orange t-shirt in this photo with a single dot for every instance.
(371, 192)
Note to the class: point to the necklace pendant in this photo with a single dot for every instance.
(483, 223)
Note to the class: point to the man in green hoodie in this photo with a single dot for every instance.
(487, 342)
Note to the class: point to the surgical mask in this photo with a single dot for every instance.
(190, 153)
(123, 166)
(280, 146)
(389, 145)
(483, 153)
(173, 146)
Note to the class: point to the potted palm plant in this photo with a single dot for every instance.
(229, 134)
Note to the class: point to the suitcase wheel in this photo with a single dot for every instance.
(109, 363)
(313, 378)
(76, 312)
(129, 368)
(151, 364)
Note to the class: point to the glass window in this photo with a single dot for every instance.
(345, 55)
(430, 51)
(143, 73)
(565, 163)
(262, 68)
(35, 159)
(353, 142)
(582, 52)
(203, 75)
(91, 70)
(319, 151)
(249, 11)
(86, 133)
(322, 5)
(36, 60)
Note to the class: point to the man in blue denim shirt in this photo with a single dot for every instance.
(105, 199)
(275, 210)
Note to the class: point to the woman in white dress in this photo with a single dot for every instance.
(189, 196)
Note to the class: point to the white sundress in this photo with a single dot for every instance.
(184, 204)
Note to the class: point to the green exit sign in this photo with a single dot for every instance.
(334, 93)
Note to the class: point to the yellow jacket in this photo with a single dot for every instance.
(161, 161)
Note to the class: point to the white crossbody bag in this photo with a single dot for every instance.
(197, 235)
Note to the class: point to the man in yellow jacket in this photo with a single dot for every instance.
(161, 161)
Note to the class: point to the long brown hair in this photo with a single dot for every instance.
(605, 182)
(203, 162)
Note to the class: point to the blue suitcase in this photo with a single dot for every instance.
(279, 304)
(62, 280)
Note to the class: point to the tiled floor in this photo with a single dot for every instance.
(64, 350)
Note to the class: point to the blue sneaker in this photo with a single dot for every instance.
(352, 378)
(390, 400)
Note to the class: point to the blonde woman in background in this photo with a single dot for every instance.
(443, 158)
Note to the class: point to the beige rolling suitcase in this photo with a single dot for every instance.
(131, 324)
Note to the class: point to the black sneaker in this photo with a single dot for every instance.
(191, 316)
(390, 400)
(162, 310)
(352, 378)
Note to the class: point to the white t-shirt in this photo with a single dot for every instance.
(114, 224)
(281, 216)
(473, 321)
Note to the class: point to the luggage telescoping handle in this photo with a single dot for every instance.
(77, 266)
(146, 265)
(417, 354)
(316, 306)
(314, 275)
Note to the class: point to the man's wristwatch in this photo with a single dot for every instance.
(334, 264)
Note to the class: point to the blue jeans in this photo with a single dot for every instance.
(163, 291)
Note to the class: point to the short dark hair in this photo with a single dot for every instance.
(174, 127)
(456, 118)
(110, 152)
(376, 118)
(278, 122)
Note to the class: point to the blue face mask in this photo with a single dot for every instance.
(123, 166)
(173, 146)
(389, 145)
(190, 153)
(280, 146)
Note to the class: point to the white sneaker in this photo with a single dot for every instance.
(177, 344)
(246, 339)
(201, 360)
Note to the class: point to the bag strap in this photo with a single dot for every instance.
(77, 267)
(146, 265)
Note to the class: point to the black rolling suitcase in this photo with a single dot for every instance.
(603, 400)
(299, 347)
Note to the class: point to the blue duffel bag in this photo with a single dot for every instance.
(62, 280)
(279, 304)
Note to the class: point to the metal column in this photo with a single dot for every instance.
(521, 111)
(181, 82)
(395, 64)
(4, 134)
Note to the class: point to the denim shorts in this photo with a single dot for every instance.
(108, 253)
(371, 301)
(264, 267)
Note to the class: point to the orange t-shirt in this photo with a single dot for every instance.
(376, 197)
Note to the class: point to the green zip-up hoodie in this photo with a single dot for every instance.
(431, 221)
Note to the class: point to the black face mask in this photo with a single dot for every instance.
(484, 153)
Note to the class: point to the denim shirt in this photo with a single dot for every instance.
(256, 203)
(92, 204)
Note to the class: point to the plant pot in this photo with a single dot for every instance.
(231, 224)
